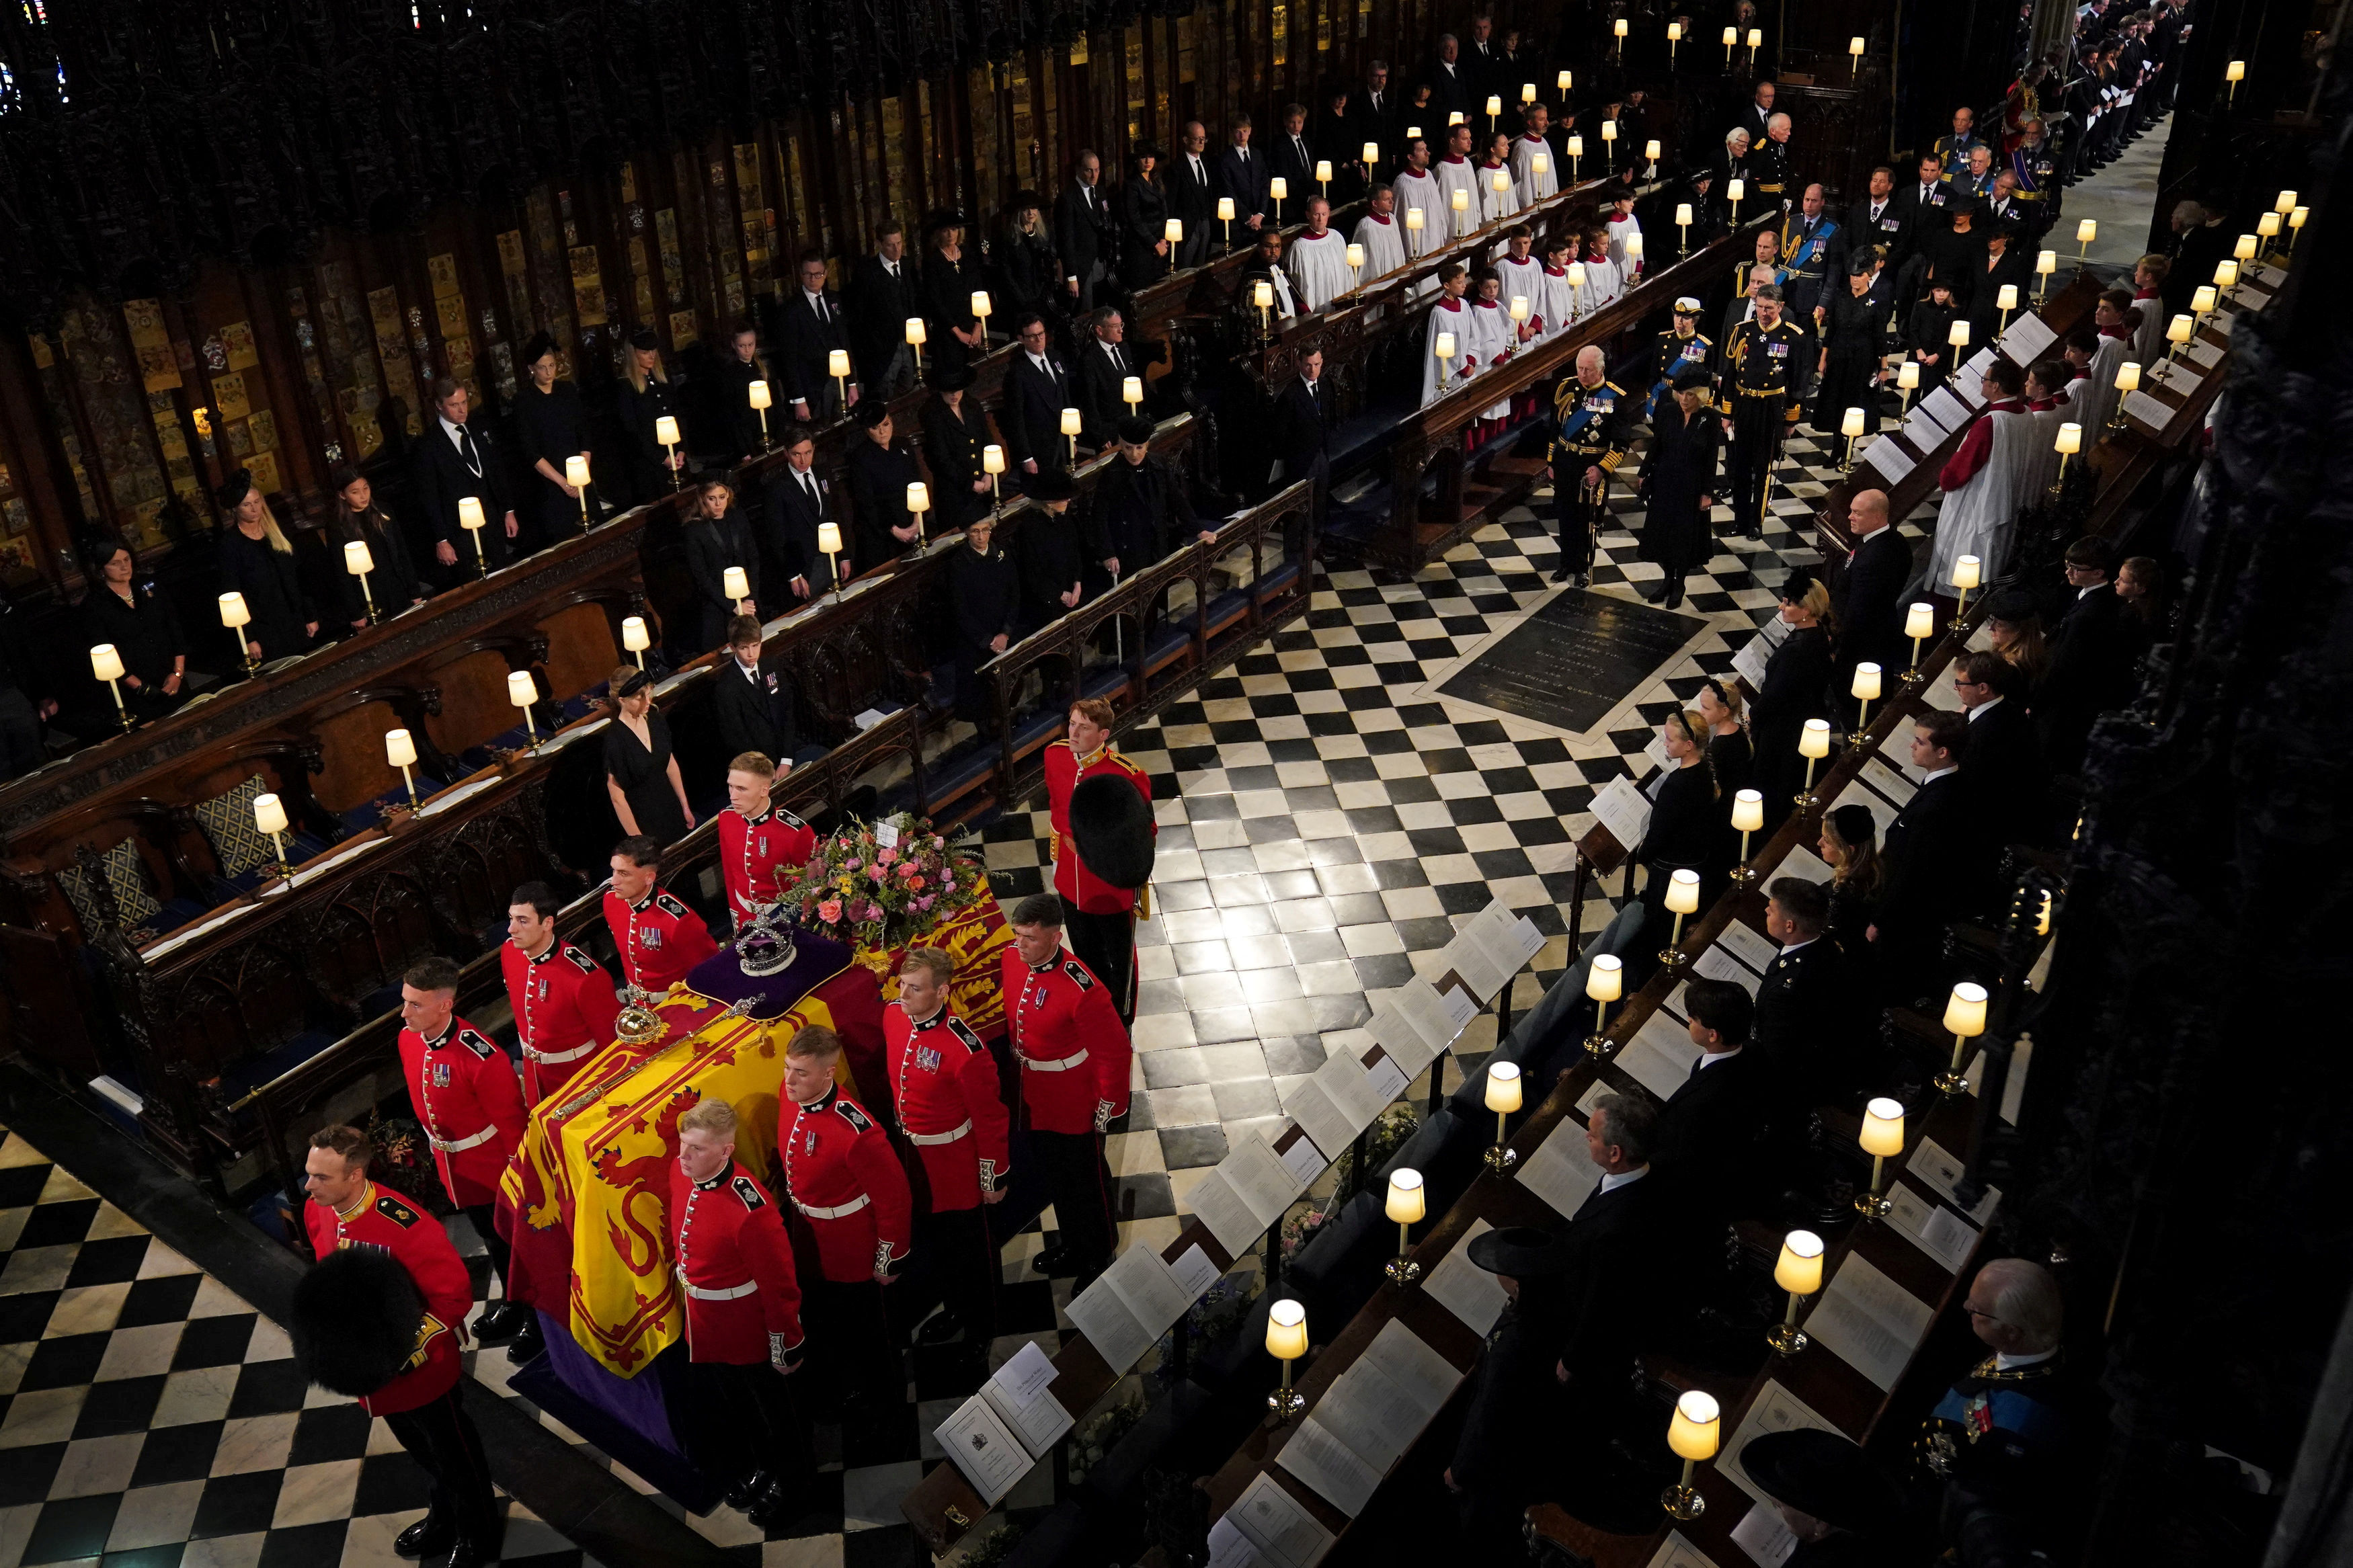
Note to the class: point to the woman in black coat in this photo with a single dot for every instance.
(1143, 208)
(1929, 331)
(1729, 752)
(551, 425)
(1854, 340)
(716, 539)
(985, 601)
(1030, 275)
(950, 275)
(393, 582)
(1797, 684)
(642, 398)
(1686, 827)
(1678, 484)
(144, 630)
(955, 431)
(257, 560)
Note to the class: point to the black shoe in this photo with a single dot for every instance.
(1583, 579)
(1675, 597)
(1563, 574)
(503, 1323)
(529, 1345)
(1052, 1261)
(467, 1553)
(426, 1537)
(780, 1504)
(750, 1492)
(1652, 592)
(939, 1328)
(1755, 531)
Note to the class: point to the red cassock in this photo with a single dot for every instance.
(945, 1082)
(1074, 1050)
(471, 1107)
(1080, 887)
(845, 1182)
(751, 848)
(386, 1224)
(563, 1008)
(734, 1268)
(660, 939)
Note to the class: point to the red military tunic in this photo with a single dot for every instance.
(1074, 1051)
(735, 1268)
(384, 1222)
(844, 1179)
(945, 1082)
(1080, 887)
(470, 1104)
(751, 848)
(564, 1009)
(660, 939)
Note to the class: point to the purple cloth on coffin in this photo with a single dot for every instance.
(816, 960)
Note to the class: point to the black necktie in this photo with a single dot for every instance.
(808, 489)
(466, 449)
(1695, 1068)
(817, 303)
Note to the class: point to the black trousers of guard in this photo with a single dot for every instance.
(1106, 945)
(741, 1418)
(441, 1436)
(961, 1249)
(853, 1349)
(1757, 430)
(1081, 1189)
(1583, 513)
(483, 1214)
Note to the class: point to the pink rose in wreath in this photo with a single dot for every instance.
(830, 911)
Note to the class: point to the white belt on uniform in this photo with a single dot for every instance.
(733, 1293)
(1056, 1063)
(838, 1211)
(574, 1055)
(458, 1145)
(933, 1139)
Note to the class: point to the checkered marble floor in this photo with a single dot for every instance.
(153, 1419)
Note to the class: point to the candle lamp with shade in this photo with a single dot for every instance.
(1919, 624)
(1907, 382)
(635, 639)
(236, 617)
(828, 544)
(2295, 220)
(1813, 744)
(2243, 249)
(1618, 33)
(735, 586)
(1850, 427)
(1372, 154)
(1683, 898)
(919, 501)
(1692, 1435)
(575, 467)
(400, 750)
(1576, 151)
(837, 365)
(1444, 349)
(1674, 37)
(1502, 1098)
(983, 308)
(2177, 333)
(1565, 81)
(1131, 388)
(1747, 818)
(1956, 337)
(2127, 380)
(1650, 156)
(2046, 262)
(1882, 1139)
(917, 336)
(1969, 571)
(1864, 690)
(992, 463)
(2234, 73)
(1495, 108)
(1323, 176)
(470, 518)
(1756, 42)
(522, 692)
(1404, 1205)
(1499, 182)
(2226, 274)
(665, 437)
(1683, 226)
(1633, 243)
(1278, 188)
(1226, 219)
(1605, 981)
(2067, 444)
(1854, 59)
(1608, 145)
(1073, 422)
(1799, 1271)
(2087, 231)
(358, 561)
(2005, 299)
(1528, 96)
(1731, 42)
(1355, 258)
(1734, 191)
(761, 400)
(106, 663)
(1965, 1020)
(1173, 233)
(269, 817)
(1286, 1341)
(1460, 200)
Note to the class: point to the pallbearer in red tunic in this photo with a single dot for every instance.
(761, 845)
(734, 1268)
(424, 1406)
(1074, 1056)
(660, 938)
(944, 1080)
(562, 999)
(1099, 915)
(852, 1212)
(472, 1109)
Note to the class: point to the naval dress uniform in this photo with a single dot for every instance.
(1760, 389)
(1593, 428)
(944, 1082)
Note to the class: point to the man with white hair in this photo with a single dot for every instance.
(2001, 1436)
(1593, 428)
(1771, 176)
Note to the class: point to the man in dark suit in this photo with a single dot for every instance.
(1808, 1017)
(1104, 365)
(1038, 386)
(1140, 509)
(730, 426)
(1245, 172)
(1869, 599)
(1375, 114)
(882, 295)
(1084, 229)
(1922, 208)
(1514, 1434)
(1449, 85)
(453, 460)
(1935, 872)
(1303, 445)
(815, 326)
(798, 501)
(1716, 1131)
(1483, 59)
(2091, 658)
(2008, 784)
(1194, 187)
(1294, 159)
(752, 707)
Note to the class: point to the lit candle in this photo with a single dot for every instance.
(1519, 307)
(1564, 81)
(2202, 299)
(919, 500)
(992, 457)
(1278, 187)
(734, 584)
(1882, 1139)
(2128, 377)
(916, 334)
(1674, 32)
(2070, 440)
(357, 561)
(1692, 1434)
(635, 639)
(1071, 426)
(1501, 180)
(981, 306)
(1731, 39)
(1650, 150)
(1907, 375)
(1541, 164)
(522, 692)
(269, 817)
(2295, 219)
(1453, 119)
(1372, 152)
(1798, 1270)
(1576, 147)
(1444, 348)
(1131, 388)
(1610, 131)
(1407, 1204)
(399, 749)
(1958, 337)
(1851, 424)
(1683, 215)
(1460, 200)
(1575, 277)
(1756, 37)
(1617, 28)
(470, 508)
(758, 392)
(1413, 219)
(2006, 297)
(2268, 225)
(2181, 331)
(1736, 189)
(1527, 92)
(665, 433)
(1605, 981)
(1324, 171)
(2226, 274)
(1355, 254)
(1494, 105)
(1502, 1098)
(2235, 72)
(1174, 232)
(2087, 231)
(2244, 250)
(2284, 201)
(105, 662)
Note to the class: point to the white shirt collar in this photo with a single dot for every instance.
(2004, 1361)
(451, 428)
(1610, 1184)
(1931, 778)
(1039, 361)
(1986, 707)
(1795, 945)
(813, 295)
(1709, 1058)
